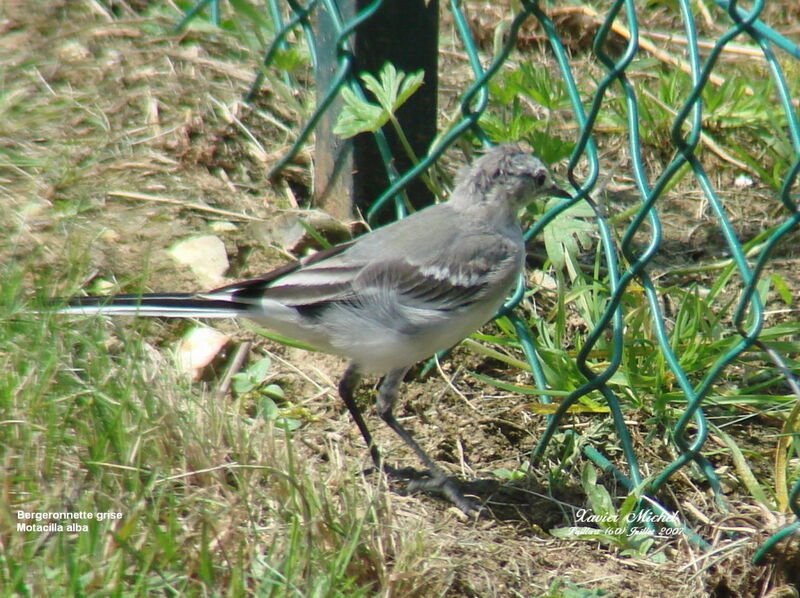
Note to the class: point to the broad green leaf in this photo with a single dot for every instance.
(780, 286)
(598, 496)
(568, 233)
(386, 89)
(287, 423)
(260, 369)
(411, 83)
(242, 383)
(391, 89)
(358, 116)
(394, 87)
(289, 60)
(267, 409)
(274, 391)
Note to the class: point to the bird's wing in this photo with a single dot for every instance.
(444, 269)
(456, 275)
(439, 283)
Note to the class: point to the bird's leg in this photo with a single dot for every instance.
(347, 386)
(438, 481)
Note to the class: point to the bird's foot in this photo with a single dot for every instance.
(437, 483)
(447, 487)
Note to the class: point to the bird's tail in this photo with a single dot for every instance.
(171, 305)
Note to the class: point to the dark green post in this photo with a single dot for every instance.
(350, 174)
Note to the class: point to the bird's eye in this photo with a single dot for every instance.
(540, 178)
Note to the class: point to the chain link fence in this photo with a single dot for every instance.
(661, 136)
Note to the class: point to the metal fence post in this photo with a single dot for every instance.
(350, 174)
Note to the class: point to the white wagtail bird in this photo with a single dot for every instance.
(391, 297)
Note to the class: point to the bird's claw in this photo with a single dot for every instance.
(426, 481)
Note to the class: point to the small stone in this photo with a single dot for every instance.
(109, 235)
(198, 348)
(72, 52)
(223, 226)
(205, 256)
(288, 232)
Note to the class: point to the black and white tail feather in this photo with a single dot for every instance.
(231, 301)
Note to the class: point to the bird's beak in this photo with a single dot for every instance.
(558, 192)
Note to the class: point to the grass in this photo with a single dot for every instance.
(199, 494)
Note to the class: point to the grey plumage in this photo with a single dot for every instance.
(390, 298)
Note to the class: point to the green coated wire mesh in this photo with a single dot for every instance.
(593, 90)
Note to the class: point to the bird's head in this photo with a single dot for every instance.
(506, 172)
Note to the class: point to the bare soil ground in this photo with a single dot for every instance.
(113, 116)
